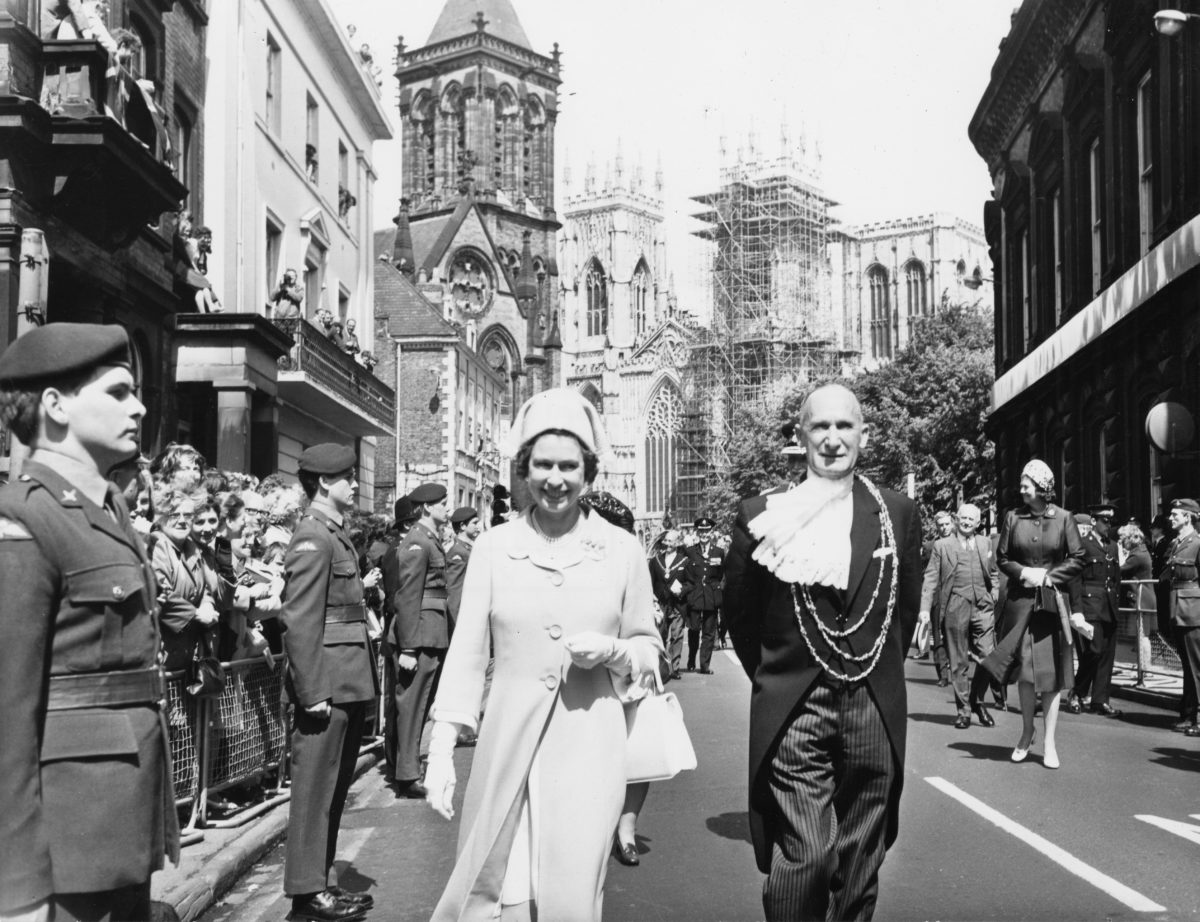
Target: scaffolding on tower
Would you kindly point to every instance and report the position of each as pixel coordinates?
(773, 323)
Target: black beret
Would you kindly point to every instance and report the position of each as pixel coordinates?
(328, 458)
(404, 510)
(428, 493)
(1187, 505)
(463, 514)
(61, 349)
(704, 523)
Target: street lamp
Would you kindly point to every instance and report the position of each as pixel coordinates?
(1171, 22)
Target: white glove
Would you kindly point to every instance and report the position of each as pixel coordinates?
(439, 770)
(1033, 577)
(923, 617)
(1081, 627)
(590, 649)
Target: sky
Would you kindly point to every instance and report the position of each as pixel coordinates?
(887, 88)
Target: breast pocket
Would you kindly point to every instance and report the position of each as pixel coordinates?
(101, 601)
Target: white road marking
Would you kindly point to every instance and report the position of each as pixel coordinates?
(1184, 830)
(1063, 858)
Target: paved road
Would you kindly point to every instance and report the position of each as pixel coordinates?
(1114, 834)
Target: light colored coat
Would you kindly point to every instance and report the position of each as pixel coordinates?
(540, 703)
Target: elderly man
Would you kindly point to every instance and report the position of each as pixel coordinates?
(960, 579)
(944, 522)
(822, 590)
(668, 570)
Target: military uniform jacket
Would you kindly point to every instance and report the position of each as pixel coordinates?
(705, 571)
(1094, 592)
(666, 569)
(324, 618)
(457, 559)
(85, 784)
(1181, 572)
(421, 597)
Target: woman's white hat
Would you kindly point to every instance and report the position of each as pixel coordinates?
(558, 408)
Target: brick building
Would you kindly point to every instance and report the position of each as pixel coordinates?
(1090, 127)
(93, 168)
(476, 235)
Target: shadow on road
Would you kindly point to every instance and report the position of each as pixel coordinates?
(946, 720)
(349, 878)
(984, 751)
(730, 826)
(1187, 760)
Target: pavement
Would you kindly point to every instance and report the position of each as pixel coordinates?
(697, 859)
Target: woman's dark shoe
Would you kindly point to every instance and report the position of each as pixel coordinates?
(626, 853)
(1074, 705)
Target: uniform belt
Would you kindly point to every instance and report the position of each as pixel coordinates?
(1185, 584)
(106, 689)
(435, 594)
(345, 614)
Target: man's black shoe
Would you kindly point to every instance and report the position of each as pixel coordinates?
(325, 907)
(413, 790)
(1073, 704)
(985, 719)
(353, 897)
(943, 681)
(1183, 726)
(962, 721)
(1193, 730)
(1105, 710)
(676, 674)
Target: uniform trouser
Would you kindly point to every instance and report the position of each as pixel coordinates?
(937, 643)
(1094, 670)
(324, 752)
(1189, 643)
(672, 634)
(830, 782)
(124, 904)
(970, 634)
(413, 697)
(703, 636)
(1191, 695)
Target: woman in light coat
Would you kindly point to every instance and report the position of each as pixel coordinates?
(564, 599)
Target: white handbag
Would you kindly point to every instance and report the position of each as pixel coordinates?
(657, 745)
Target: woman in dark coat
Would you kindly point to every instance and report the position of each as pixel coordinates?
(1137, 566)
(1039, 546)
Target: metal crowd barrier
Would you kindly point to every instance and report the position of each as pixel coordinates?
(1139, 643)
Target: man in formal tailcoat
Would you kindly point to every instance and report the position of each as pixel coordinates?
(330, 680)
(960, 579)
(668, 573)
(420, 631)
(705, 569)
(87, 810)
(822, 590)
(1094, 598)
(1181, 574)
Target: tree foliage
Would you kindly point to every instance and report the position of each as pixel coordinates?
(925, 411)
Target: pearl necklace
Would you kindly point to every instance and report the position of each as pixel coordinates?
(828, 634)
(537, 529)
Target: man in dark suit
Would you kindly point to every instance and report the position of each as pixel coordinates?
(822, 590)
(960, 579)
(668, 573)
(420, 631)
(330, 680)
(86, 806)
(705, 570)
(1094, 599)
(944, 522)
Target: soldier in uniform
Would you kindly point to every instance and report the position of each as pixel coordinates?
(467, 526)
(420, 631)
(86, 805)
(330, 680)
(406, 515)
(1181, 575)
(1094, 599)
(705, 571)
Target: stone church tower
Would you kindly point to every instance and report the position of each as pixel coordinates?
(478, 108)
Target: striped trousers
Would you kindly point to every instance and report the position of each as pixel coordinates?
(829, 783)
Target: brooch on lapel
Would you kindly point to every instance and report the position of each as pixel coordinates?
(593, 548)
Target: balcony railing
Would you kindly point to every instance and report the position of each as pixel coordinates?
(320, 359)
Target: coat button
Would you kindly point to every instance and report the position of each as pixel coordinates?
(556, 578)
(551, 682)
(555, 632)
(118, 592)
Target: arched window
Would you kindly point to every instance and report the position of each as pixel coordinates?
(881, 313)
(663, 419)
(592, 395)
(504, 157)
(641, 298)
(914, 285)
(596, 285)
